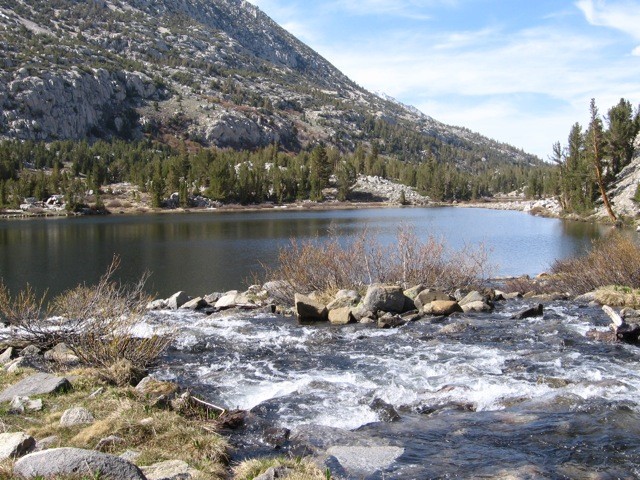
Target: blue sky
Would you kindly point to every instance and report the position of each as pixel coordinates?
(518, 71)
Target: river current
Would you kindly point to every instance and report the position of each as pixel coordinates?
(473, 396)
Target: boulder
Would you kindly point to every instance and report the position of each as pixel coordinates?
(108, 443)
(442, 307)
(14, 445)
(47, 442)
(6, 356)
(476, 307)
(194, 304)
(170, 470)
(391, 321)
(388, 298)
(176, 300)
(537, 311)
(365, 461)
(76, 416)
(30, 351)
(341, 316)
(57, 462)
(159, 304)
(37, 384)
(274, 473)
(309, 310)
(228, 300)
(151, 386)
(413, 292)
(22, 404)
(425, 297)
(472, 297)
(61, 354)
(344, 298)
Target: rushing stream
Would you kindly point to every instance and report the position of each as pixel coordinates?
(475, 396)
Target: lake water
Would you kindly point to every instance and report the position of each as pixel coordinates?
(205, 252)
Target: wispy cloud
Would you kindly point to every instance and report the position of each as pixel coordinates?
(623, 16)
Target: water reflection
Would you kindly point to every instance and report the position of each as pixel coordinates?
(201, 253)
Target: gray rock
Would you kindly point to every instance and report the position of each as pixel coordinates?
(109, 442)
(130, 455)
(512, 295)
(62, 354)
(344, 298)
(13, 365)
(537, 311)
(6, 356)
(413, 292)
(14, 445)
(388, 298)
(391, 321)
(195, 304)
(76, 416)
(22, 404)
(47, 442)
(176, 300)
(30, 351)
(425, 297)
(212, 298)
(228, 300)
(365, 460)
(170, 470)
(37, 384)
(274, 473)
(472, 297)
(75, 461)
(309, 310)
(341, 316)
(159, 304)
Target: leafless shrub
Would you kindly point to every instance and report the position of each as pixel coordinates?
(614, 260)
(96, 323)
(526, 284)
(328, 266)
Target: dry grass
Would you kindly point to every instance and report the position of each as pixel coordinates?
(157, 434)
(300, 469)
(614, 260)
(329, 266)
(96, 322)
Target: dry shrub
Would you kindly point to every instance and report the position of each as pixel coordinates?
(96, 323)
(328, 266)
(614, 260)
(526, 284)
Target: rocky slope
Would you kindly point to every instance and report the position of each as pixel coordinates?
(217, 72)
(624, 189)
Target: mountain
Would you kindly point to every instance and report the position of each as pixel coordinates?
(214, 72)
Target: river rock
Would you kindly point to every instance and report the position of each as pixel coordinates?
(75, 461)
(37, 384)
(159, 304)
(170, 470)
(386, 412)
(472, 297)
(388, 298)
(537, 311)
(13, 445)
(309, 310)
(228, 300)
(476, 307)
(175, 301)
(30, 351)
(341, 316)
(365, 461)
(390, 320)
(442, 307)
(425, 297)
(194, 304)
(344, 298)
(76, 416)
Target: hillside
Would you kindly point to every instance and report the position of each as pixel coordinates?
(218, 73)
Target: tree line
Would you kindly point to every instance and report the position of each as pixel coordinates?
(70, 168)
(594, 156)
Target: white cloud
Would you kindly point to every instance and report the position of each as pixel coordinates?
(623, 16)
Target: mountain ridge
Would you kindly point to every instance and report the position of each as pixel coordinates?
(218, 73)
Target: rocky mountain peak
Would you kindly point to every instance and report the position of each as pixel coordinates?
(213, 72)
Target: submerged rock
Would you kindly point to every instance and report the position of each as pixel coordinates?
(537, 311)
